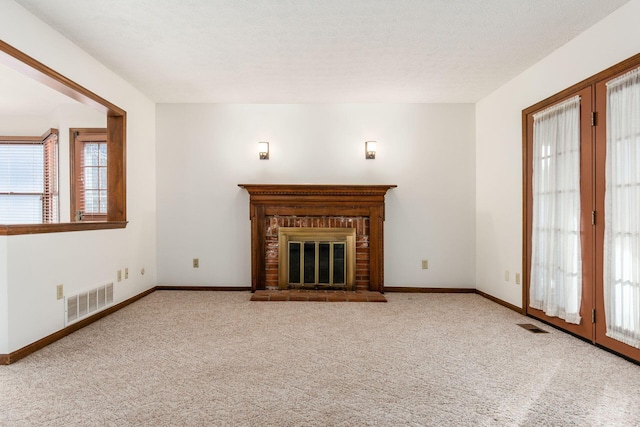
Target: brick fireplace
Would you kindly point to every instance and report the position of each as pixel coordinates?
(358, 207)
(275, 224)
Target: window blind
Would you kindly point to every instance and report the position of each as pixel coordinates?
(28, 179)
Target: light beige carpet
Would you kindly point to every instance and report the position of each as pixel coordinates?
(215, 358)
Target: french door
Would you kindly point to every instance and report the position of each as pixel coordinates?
(559, 233)
(582, 221)
(617, 170)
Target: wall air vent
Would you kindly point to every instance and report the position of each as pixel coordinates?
(88, 302)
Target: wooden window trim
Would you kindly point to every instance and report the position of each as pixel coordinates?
(20, 140)
(75, 170)
(14, 230)
(116, 143)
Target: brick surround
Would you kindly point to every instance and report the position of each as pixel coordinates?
(361, 224)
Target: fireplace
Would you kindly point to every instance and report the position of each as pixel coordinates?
(328, 229)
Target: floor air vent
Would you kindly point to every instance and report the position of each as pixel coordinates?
(86, 303)
(532, 328)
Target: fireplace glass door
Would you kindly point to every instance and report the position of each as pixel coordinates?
(317, 264)
(316, 258)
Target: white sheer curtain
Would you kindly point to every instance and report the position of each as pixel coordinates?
(556, 261)
(622, 210)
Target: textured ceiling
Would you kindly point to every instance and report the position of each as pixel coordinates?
(315, 51)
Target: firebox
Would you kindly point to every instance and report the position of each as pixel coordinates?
(316, 258)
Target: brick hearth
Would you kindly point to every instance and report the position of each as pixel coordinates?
(318, 296)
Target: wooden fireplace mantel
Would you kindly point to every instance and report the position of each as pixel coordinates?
(317, 200)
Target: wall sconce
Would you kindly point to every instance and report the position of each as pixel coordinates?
(263, 150)
(370, 150)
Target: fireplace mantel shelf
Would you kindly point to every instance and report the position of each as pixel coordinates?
(317, 200)
(316, 189)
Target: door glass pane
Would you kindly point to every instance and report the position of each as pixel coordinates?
(103, 178)
(103, 201)
(91, 154)
(92, 201)
(91, 178)
(102, 155)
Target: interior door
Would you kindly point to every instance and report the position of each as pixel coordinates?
(585, 327)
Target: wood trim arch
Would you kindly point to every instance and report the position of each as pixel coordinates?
(116, 137)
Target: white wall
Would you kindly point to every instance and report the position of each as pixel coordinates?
(24, 125)
(499, 141)
(205, 151)
(35, 264)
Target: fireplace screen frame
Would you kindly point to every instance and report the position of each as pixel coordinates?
(329, 235)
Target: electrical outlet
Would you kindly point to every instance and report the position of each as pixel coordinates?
(506, 275)
(59, 292)
(517, 278)
(126, 273)
(196, 263)
(425, 264)
(119, 275)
